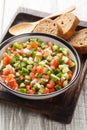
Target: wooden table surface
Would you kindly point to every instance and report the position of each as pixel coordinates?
(14, 118)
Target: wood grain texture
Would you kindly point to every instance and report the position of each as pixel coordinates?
(14, 118)
(1, 15)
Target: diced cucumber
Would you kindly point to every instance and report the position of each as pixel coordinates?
(37, 59)
(65, 51)
(49, 58)
(23, 64)
(66, 69)
(22, 85)
(61, 67)
(27, 77)
(43, 45)
(25, 60)
(35, 87)
(14, 59)
(65, 83)
(29, 67)
(65, 75)
(17, 65)
(17, 74)
(26, 81)
(18, 45)
(65, 59)
(41, 89)
(30, 61)
(49, 72)
(55, 47)
(54, 77)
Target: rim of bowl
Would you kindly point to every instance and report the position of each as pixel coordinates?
(7, 41)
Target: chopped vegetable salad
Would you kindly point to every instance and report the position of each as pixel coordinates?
(36, 67)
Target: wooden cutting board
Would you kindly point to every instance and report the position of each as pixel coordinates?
(60, 108)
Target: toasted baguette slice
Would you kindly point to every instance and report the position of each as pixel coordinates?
(79, 41)
(49, 26)
(68, 22)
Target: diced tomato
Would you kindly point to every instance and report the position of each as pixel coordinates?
(49, 86)
(69, 75)
(34, 69)
(39, 49)
(45, 76)
(12, 83)
(2, 78)
(39, 54)
(47, 51)
(40, 69)
(51, 90)
(6, 59)
(54, 63)
(46, 90)
(32, 75)
(59, 55)
(6, 71)
(21, 52)
(16, 53)
(33, 45)
(21, 77)
(28, 87)
(52, 82)
(60, 82)
(50, 44)
(12, 49)
(9, 77)
(70, 63)
(30, 91)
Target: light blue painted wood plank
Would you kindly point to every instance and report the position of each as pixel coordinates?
(1, 15)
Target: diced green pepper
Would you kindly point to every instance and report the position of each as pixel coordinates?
(59, 75)
(25, 71)
(57, 87)
(60, 61)
(35, 87)
(23, 90)
(38, 75)
(18, 80)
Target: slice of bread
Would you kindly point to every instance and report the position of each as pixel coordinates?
(79, 41)
(49, 26)
(68, 22)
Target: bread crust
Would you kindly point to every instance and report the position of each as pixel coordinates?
(68, 22)
(79, 41)
(49, 26)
